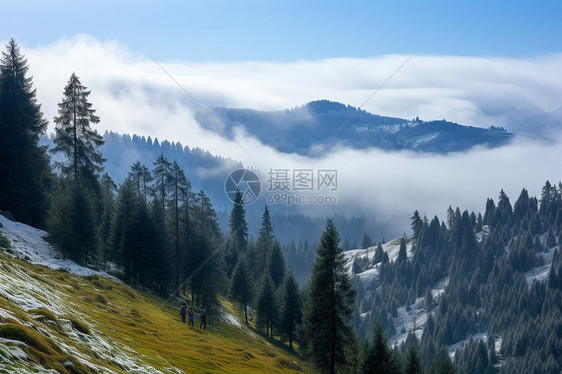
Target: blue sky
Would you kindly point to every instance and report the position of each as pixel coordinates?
(293, 30)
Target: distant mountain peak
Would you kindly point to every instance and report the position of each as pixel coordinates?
(330, 123)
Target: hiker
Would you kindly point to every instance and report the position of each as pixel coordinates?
(203, 320)
(190, 317)
(182, 311)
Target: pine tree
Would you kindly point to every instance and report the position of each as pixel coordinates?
(378, 357)
(178, 183)
(71, 221)
(417, 223)
(367, 241)
(73, 135)
(108, 189)
(379, 253)
(412, 364)
(442, 365)
(402, 254)
(266, 306)
(159, 266)
(238, 234)
(241, 286)
(24, 165)
(277, 264)
(264, 245)
(489, 212)
(83, 236)
(161, 173)
(291, 312)
(58, 223)
(205, 256)
(142, 178)
(127, 204)
(329, 308)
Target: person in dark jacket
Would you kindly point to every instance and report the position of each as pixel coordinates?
(183, 311)
(203, 320)
(190, 313)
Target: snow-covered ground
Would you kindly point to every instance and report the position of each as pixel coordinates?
(28, 243)
(540, 273)
(480, 336)
(482, 234)
(391, 248)
(27, 292)
(414, 319)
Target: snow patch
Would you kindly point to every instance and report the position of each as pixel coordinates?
(476, 337)
(540, 273)
(391, 248)
(28, 243)
(229, 318)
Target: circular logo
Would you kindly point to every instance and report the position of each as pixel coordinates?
(245, 181)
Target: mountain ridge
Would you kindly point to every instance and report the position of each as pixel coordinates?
(314, 128)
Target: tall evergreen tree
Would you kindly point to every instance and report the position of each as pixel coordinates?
(290, 308)
(142, 177)
(159, 265)
(127, 204)
(73, 135)
(366, 242)
(379, 253)
(378, 357)
(412, 363)
(328, 309)
(108, 190)
(161, 173)
(417, 223)
(83, 235)
(277, 264)
(266, 305)
(59, 222)
(238, 234)
(264, 245)
(24, 165)
(402, 254)
(205, 256)
(178, 183)
(241, 285)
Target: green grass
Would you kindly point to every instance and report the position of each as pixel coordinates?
(46, 316)
(42, 350)
(108, 309)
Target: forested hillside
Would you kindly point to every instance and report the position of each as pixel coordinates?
(485, 289)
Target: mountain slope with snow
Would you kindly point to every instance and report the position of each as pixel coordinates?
(56, 316)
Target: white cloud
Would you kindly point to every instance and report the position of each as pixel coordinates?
(134, 95)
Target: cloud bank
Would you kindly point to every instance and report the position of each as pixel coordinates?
(134, 94)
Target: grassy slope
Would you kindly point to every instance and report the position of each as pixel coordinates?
(129, 330)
